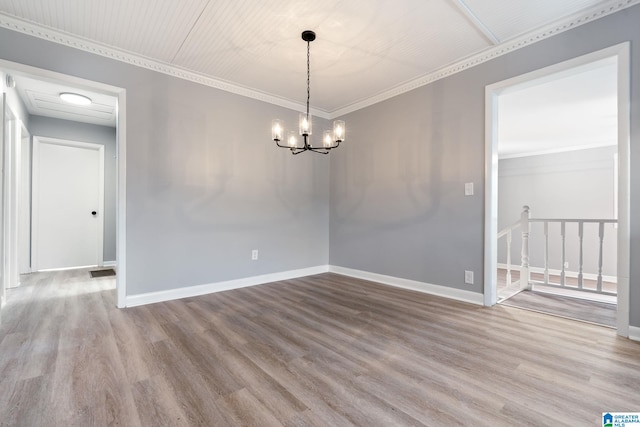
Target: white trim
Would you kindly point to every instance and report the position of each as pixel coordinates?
(624, 197)
(427, 288)
(109, 264)
(574, 21)
(101, 206)
(47, 33)
(121, 153)
(491, 198)
(24, 204)
(121, 196)
(56, 36)
(621, 53)
(7, 118)
(37, 141)
(634, 333)
(79, 267)
(558, 150)
(193, 291)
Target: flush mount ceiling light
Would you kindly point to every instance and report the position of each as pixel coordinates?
(330, 140)
(75, 98)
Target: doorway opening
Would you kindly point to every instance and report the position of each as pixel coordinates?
(34, 92)
(572, 232)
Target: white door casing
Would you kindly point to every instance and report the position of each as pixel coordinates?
(121, 154)
(3, 285)
(621, 53)
(68, 186)
(24, 204)
(9, 234)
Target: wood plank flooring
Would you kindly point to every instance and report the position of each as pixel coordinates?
(600, 313)
(324, 350)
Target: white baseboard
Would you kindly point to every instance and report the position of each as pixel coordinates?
(443, 291)
(108, 263)
(572, 274)
(634, 333)
(192, 291)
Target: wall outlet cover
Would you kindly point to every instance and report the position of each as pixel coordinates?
(468, 277)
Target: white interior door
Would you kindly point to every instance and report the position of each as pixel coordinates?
(68, 186)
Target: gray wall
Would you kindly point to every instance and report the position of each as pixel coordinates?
(397, 187)
(205, 183)
(103, 135)
(576, 184)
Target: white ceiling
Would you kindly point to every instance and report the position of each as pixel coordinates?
(574, 110)
(42, 99)
(366, 49)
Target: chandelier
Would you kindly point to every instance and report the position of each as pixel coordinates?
(330, 139)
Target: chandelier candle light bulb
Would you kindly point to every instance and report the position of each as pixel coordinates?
(327, 139)
(276, 130)
(305, 125)
(330, 140)
(292, 140)
(338, 130)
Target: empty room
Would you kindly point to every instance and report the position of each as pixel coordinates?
(285, 213)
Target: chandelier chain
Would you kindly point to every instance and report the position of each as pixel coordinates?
(308, 77)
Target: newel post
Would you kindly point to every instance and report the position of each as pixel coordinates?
(524, 267)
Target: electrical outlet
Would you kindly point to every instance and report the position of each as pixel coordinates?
(254, 255)
(468, 277)
(566, 264)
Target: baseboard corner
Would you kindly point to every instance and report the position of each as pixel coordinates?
(634, 333)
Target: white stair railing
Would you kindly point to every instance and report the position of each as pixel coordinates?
(563, 234)
(507, 233)
(525, 274)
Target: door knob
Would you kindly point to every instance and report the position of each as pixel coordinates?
(93, 213)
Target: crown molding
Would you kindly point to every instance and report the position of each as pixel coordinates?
(60, 37)
(63, 38)
(493, 52)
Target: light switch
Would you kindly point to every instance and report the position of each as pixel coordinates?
(468, 188)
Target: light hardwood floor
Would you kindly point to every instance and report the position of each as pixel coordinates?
(319, 351)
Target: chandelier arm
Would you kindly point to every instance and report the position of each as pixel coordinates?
(319, 150)
(278, 144)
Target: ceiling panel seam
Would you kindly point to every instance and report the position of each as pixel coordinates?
(173, 58)
(476, 22)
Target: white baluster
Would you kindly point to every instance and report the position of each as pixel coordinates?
(562, 233)
(524, 267)
(581, 237)
(601, 237)
(546, 252)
